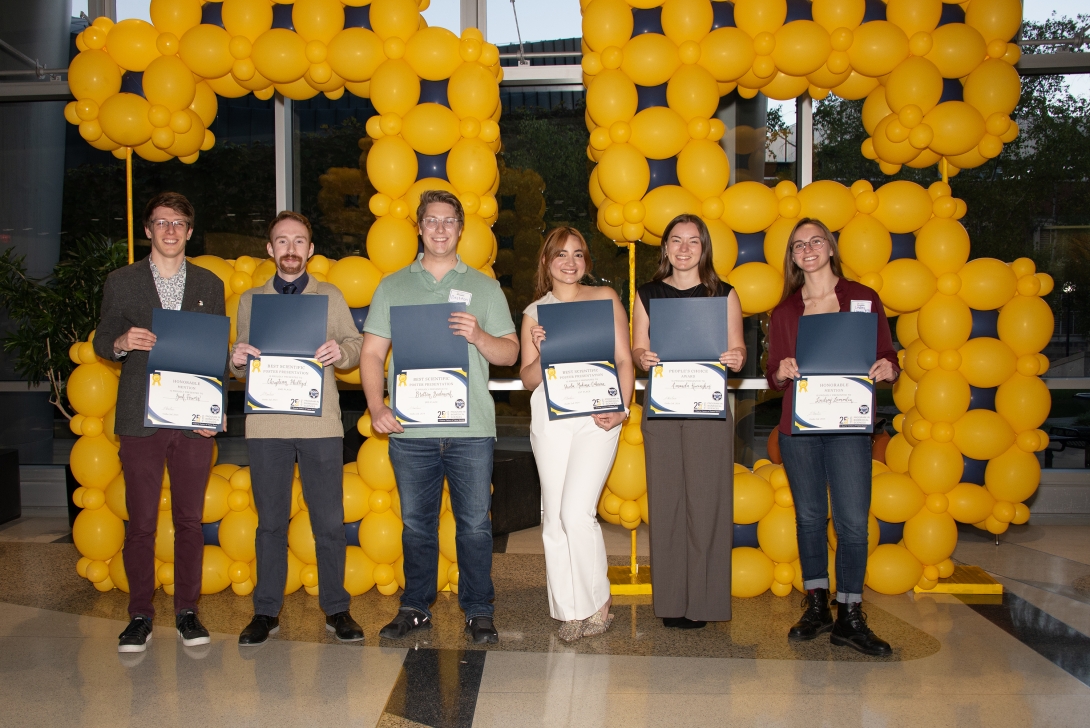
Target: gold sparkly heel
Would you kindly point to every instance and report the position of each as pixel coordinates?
(595, 624)
(571, 631)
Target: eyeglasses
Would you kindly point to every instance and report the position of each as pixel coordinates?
(814, 244)
(433, 223)
(163, 225)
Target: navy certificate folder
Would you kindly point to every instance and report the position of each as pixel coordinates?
(422, 338)
(189, 343)
(579, 331)
(688, 329)
(837, 343)
(282, 325)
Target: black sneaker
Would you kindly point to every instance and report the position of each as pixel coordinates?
(346, 628)
(480, 631)
(190, 629)
(136, 636)
(406, 621)
(258, 630)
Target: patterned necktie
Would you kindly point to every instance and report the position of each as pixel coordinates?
(290, 288)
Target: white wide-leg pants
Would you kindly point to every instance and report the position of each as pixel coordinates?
(574, 456)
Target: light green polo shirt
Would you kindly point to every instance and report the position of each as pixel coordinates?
(413, 286)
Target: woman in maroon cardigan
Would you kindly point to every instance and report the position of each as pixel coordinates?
(817, 465)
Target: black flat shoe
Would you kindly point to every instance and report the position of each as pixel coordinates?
(407, 620)
(683, 623)
(258, 630)
(480, 630)
(816, 618)
(851, 630)
(346, 628)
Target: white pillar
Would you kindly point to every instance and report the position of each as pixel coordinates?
(99, 8)
(283, 119)
(804, 140)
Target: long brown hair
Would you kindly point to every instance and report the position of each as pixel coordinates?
(708, 277)
(550, 249)
(793, 277)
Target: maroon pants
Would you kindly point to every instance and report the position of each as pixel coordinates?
(189, 460)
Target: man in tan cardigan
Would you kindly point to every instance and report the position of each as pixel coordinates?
(277, 441)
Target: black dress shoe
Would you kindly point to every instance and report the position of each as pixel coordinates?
(851, 630)
(342, 625)
(683, 623)
(406, 621)
(480, 631)
(259, 629)
(816, 618)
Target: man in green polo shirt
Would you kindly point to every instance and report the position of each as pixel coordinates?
(422, 457)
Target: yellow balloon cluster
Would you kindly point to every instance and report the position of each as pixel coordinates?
(624, 499)
(939, 83)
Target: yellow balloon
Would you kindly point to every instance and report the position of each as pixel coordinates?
(1013, 476)
(395, 88)
(391, 243)
(471, 166)
(117, 573)
(802, 47)
(94, 75)
(724, 249)
(355, 54)
(248, 18)
(98, 534)
(391, 166)
(904, 392)
(206, 51)
(759, 287)
(475, 245)
(915, 81)
(124, 119)
(942, 245)
(907, 284)
(898, 451)
(216, 570)
(175, 16)
(693, 92)
(775, 242)
(753, 498)
(931, 537)
(997, 20)
(374, 466)
(749, 207)
(892, 569)
(986, 362)
(935, 466)
(956, 49)
(317, 19)
(657, 133)
(280, 55)
(665, 203)
(834, 14)
(624, 174)
(357, 278)
(237, 534)
(473, 91)
(1026, 324)
(914, 16)
(606, 23)
(131, 43)
(94, 462)
(865, 244)
(945, 322)
(751, 572)
(982, 434)
(628, 479)
(958, 128)
(776, 534)
(993, 88)
(92, 389)
(783, 87)
(903, 206)
(355, 498)
(650, 59)
(686, 20)
(430, 128)
(727, 53)
(191, 141)
(418, 188)
(395, 18)
(970, 503)
(1024, 402)
(878, 47)
(987, 283)
(895, 497)
(760, 16)
(115, 497)
(828, 201)
(301, 538)
(380, 537)
(875, 109)
(358, 571)
(433, 53)
(215, 499)
(942, 396)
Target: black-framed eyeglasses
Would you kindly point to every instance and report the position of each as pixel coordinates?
(163, 225)
(433, 223)
(813, 244)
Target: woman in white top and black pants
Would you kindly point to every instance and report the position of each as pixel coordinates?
(574, 455)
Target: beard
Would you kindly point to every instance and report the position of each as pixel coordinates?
(290, 264)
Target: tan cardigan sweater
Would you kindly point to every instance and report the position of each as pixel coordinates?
(339, 327)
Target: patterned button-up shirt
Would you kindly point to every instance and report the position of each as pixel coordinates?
(170, 289)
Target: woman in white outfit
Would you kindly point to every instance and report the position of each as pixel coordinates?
(574, 455)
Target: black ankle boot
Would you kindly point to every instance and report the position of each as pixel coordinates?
(816, 619)
(851, 630)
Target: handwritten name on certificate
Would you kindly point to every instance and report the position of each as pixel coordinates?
(184, 401)
(584, 388)
(688, 389)
(833, 404)
(432, 397)
(286, 385)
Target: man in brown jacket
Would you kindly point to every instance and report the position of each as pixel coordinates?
(276, 441)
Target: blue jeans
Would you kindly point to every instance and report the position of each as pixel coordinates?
(839, 465)
(419, 465)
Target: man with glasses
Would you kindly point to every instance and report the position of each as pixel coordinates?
(423, 456)
(162, 280)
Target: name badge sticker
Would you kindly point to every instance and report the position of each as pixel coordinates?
(465, 297)
(857, 306)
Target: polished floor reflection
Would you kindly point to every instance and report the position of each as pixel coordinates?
(1021, 660)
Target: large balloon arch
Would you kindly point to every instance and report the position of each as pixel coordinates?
(938, 79)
